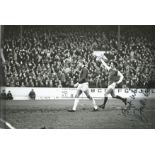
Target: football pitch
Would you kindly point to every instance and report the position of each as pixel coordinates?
(53, 114)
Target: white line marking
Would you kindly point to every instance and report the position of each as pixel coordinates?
(7, 124)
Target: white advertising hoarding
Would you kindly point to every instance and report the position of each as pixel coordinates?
(21, 93)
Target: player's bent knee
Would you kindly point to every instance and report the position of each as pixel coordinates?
(105, 95)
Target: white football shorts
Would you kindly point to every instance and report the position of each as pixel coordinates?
(112, 86)
(83, 86)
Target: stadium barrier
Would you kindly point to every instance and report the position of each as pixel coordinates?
(21, 93)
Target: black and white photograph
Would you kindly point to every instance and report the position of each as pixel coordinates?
(77, 76)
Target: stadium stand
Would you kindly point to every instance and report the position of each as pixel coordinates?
(47, 55)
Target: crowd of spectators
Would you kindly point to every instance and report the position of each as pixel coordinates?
(48, 56)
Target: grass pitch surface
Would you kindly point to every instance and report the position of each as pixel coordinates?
(53, 114)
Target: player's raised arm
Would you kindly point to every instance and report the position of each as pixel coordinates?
(121, 77)
(105, 65)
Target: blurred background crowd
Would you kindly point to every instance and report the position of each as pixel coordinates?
(47, 56)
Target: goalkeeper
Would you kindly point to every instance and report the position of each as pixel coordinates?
(82, 86)
(115, 77)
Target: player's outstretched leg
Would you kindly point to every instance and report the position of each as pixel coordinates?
(76, 101)
(92, 99)
(121, 98)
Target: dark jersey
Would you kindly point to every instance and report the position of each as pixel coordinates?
(83, 75)
(113, 76)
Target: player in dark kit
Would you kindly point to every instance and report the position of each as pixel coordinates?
(114, 74)
(82, 86)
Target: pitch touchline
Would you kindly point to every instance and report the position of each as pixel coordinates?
(7, 124)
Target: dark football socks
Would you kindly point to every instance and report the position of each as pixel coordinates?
(118, 97)
(105, 100)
